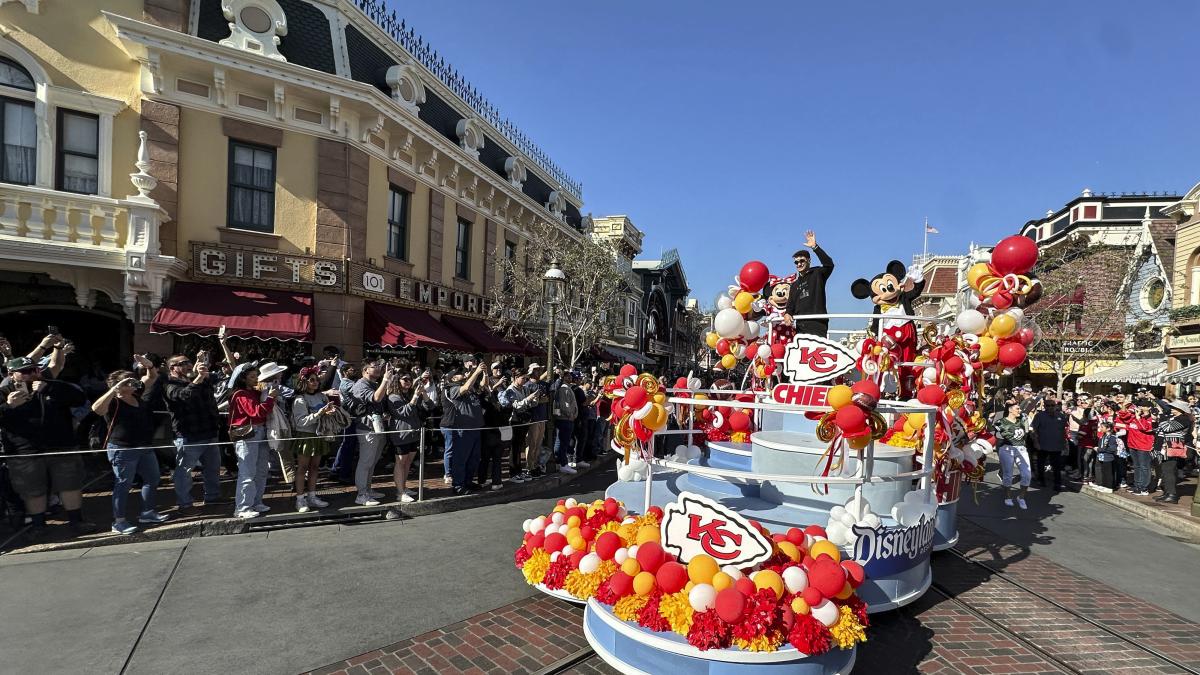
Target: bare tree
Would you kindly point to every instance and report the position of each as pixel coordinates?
(1082, 311)
(594, 284)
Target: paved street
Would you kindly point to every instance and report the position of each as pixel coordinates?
(295, 600)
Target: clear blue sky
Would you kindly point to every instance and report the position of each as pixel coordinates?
(726, 129)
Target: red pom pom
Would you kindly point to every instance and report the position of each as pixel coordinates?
(811, 595)
(739, 421)
(655, 511)
(607, 544)
(795, 536)
(778, 349)
(815, 530)
(827, 576)
(931, 394)
(854, 573)
(708, 631)
(671, 577)
(576, 557)
(535, 542)
(621, 584)
(731, 603)
(650, 556)
(810, 636)
(555, 542)
(628, 370)
(611, 507)
(745, 586)
(850, 418)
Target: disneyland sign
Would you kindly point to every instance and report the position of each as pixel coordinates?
(884, 551)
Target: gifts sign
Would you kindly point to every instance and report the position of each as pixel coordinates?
(696, 525)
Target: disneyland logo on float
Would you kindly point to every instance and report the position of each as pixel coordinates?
(696, 525)
(882, 550)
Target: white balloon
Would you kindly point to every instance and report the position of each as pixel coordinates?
(728, 323)
(525, 525)
(633, 551)
(555, 556)
(621, 556)
(724, 302)
(929, 375)
(795, 579)
(537, 525)
(557, 518)
(752, 328)
(571, 503)
(971, 321)
(589, 563)
(567, 550)
(702, 597)
(1017, 313)
(764, 352)
(733, 572)
(826, 612)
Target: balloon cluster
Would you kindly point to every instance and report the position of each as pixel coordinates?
(638, 408)
(804, 595)
(725, 423)
(737, 335)
(853, 417)
(1003, 288)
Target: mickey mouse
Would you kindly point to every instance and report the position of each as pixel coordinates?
(892, 292)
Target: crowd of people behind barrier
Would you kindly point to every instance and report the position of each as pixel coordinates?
(1113, 442)
(293, 417)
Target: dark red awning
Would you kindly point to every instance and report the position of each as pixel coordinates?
(201, 309)
(392, 326)
(479, 334)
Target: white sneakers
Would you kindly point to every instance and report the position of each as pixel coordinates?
(566, 468)
(366, 500)
(314, 500)
(579, 465)
(1008, 501)
(407, 498)
(302, 504)
(448, 479)
(247, 514)
(1021, 502)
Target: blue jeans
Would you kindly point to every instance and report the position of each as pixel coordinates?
(187, 456)
(346, 459)
(252, 455)
(126, 464)
(1141, 470)
(462, 455)
(563, 441)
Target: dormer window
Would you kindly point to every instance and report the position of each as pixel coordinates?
(255, 26)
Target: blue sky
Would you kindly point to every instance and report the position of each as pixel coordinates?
(727, 129)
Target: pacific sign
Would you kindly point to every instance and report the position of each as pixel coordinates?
(810, 359)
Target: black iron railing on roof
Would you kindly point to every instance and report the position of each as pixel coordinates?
(414, 44)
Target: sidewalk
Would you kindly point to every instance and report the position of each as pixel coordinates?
(1177, 518)
(213, 520)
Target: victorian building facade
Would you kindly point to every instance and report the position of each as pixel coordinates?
(304, 170)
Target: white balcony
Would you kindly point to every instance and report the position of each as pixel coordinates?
(35, 221)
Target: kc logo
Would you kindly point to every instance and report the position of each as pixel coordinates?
(694, 524)
(810, 359)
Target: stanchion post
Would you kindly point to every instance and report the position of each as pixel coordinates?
(649, 484)
(421, 464)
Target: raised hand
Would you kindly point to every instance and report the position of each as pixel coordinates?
(810, 239)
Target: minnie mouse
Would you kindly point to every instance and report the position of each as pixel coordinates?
(778, 290)
(892, 291)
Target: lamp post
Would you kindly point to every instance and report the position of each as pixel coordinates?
(554, 283)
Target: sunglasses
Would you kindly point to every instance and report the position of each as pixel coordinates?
(181, 363)
(26, 371)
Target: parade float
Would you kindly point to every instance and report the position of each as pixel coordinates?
(804, 489)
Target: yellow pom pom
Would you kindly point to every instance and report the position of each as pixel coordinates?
(643, 583)
(769, 579)
(647, 533)
(789, 549)
(631, 567)
(799, 606)
(721, 581)
(825, 547)
(702, 568)
(839, 396)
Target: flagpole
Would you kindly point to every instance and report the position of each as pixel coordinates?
(925, 246)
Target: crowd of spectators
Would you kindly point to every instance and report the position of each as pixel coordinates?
(1115, 441)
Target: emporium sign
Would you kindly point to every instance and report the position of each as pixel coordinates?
(374, 282)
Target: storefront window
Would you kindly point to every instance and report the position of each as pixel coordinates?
(251, 187)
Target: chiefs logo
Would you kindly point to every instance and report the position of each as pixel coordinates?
(695, 524)
(810, 359)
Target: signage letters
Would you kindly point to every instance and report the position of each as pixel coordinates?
(884, 551)
(695, 525)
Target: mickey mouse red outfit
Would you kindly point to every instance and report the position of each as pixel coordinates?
(892, 302)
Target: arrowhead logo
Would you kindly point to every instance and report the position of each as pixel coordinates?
(810, 359)
(693, 525)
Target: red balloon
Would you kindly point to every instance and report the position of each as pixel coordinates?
(1012, 355)
(535, 542)
(1025, 336)
(795, 536)
(812, 596)
(621, 584)
(745, 586)
(731, 604)
(671, 577)
(655, 511)
(555, 542)
(576, 557)
(778, 349)
(618, 410)
(739, 421)
(635, 397)
(1014, 255)
(827, 576)
(867, 388)
(607, 545)
(931, 394)
(753, 276)
(650, 556)
(722, 346)
(628, 370)
(681, 383)
(611, 507)
(854, 573)
(815, 530)
(954, 365)
(769, 370)
(850, 418)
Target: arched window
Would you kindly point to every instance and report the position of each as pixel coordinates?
(18, 164)
(1193, 278)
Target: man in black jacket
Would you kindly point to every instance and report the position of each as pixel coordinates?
(807, 295)
(1050, 440)
(36, 418)
(192, 402)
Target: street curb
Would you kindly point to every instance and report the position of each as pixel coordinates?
(1177, 525)
(212, 527)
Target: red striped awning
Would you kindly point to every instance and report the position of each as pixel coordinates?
(479, 334)
(201, 309)
(392, 326)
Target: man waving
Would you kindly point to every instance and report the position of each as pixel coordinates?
(807, 294)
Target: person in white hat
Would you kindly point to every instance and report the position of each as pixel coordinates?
(1173, 431)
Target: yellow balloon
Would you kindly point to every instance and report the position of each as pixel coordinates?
(647, 533)
(700, 397)
(799, 606)
(769, 579)
(643, 583)
(711, 339)
(977, 272)
(721, 581)
(859, 442)
(701, 569)
(917, 421)
(728, 361)
(825, 547)
(631, 567)
(846, 592)
(743, 301)
(839, 396)
(988, 349)
(1002, 325)
(789, 549)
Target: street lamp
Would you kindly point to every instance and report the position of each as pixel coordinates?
(554, 283)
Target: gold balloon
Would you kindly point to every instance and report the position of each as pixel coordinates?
(728, 361)
(1002, 325)
(976, 273)
(988, 349)
(743, 301)
(711, 339)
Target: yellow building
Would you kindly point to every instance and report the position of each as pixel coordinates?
(1183, 342)
(305, 170)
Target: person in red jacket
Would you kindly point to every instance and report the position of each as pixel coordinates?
(1139, 438)
(249, 406)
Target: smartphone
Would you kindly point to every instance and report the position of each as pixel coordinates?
(51, 330)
